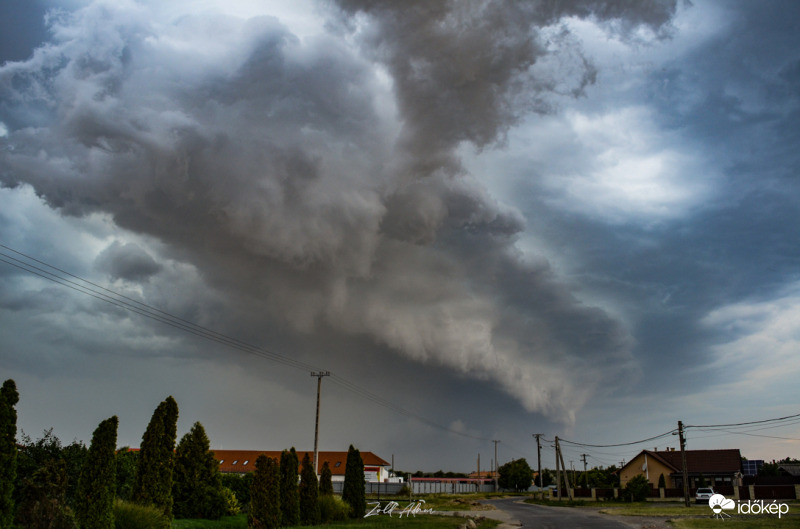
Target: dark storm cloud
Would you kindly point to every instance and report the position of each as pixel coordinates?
(127, 261)
(301, 183)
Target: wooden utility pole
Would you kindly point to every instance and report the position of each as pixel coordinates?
(539, 457)
(566, 474)
(585, 474)
(683, 462)
(496, 466)
(319, 376)
(558, 473)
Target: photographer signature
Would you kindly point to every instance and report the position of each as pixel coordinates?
(413, 509)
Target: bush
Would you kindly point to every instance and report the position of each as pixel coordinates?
(638, 488)
(332, 509)
(232, 507)
(134, 516)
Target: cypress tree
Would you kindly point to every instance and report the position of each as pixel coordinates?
(290, 498)
(94, 505)
(153, 484)
(265, 498)
(309, 491)
(8, 451)
(353, 491)
(198, 487)
(326, 481)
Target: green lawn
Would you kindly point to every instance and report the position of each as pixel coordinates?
(421, 521)
(740, 522)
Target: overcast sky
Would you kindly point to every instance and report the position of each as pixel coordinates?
(574, 218)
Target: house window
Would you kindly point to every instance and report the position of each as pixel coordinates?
(338, 464)
(246, 461)
(221, 461)
(235, 462)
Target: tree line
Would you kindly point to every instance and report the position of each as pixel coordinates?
(44, 485)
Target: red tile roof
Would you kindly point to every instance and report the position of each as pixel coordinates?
(726, 461)
(242, 461)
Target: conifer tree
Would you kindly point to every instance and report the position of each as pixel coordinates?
(309, 492)
(153, 485)
(198, 487)
(8, 451)
(325, 481)
(265, 498)
(290, 498)
(353, 491)
(94, 504)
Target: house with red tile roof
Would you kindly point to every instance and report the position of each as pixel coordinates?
(716, 467)
(243, 461)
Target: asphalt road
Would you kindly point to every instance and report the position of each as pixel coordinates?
(554, 517)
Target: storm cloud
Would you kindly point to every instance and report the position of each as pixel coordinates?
(553, 205)
(317, 178)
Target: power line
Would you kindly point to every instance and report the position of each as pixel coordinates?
(744, 423)
(666, 434)
(86, 287)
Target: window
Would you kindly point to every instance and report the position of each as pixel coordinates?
(246, 461)
(221, 461)
(235, 462)
(338, 464)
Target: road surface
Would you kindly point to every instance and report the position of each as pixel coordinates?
(539, 516)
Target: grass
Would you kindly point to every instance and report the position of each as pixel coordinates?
(449, 502)
(672, 511)
(743, 522)
(373, 522)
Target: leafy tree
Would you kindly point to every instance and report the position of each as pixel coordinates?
(33, 456)
(353, 491)
(309, 491)
(325, 481)
(239, 485)
(547, 477)
(197, 488)
(265, 498)
(603, 478)
(290, 497)
(94, 507)
(662, 483)
(8, 451)
(153, 485)
(638, 488)
(126, 473)
(515, 475)
(42, 499)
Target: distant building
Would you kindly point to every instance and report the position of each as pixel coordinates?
(244, 461)
(716, 467)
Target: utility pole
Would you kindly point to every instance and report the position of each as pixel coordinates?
(585, 474)
(683, 462)
(558, 472)
(560, 456)
(496, 466)
(539, 458)
(478, 475)
(319, 376)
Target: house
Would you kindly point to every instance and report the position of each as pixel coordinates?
(716, 467)
(244, 461)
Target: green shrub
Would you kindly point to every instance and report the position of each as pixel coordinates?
(332, 509)
(134, 516)
(637, 489)
(232, 507)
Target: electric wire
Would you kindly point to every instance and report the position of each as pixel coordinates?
(124, 302)
(744, 423)
(574, 443)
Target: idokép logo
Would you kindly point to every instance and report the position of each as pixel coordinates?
(720, 503)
